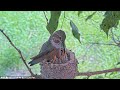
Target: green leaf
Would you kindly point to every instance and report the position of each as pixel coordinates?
(79, 12)
(75, 31)
(53, 22)
(118, 63)
(112, 14)
(107, 13)
(111, 20)
(90, 16)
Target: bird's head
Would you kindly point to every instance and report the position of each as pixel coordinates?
(58, 38)
(61, 34)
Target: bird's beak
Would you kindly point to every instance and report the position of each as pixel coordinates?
(62, 46)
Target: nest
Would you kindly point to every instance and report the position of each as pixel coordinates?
(64, 70)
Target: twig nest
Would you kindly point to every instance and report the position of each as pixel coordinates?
(66, 70)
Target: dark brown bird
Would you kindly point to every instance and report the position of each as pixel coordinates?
(52, 49)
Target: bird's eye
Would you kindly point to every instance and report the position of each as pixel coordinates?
(56, 41)
(60, 38)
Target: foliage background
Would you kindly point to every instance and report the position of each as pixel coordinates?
(27, 30)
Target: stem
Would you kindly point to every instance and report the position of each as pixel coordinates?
(98, 72)
(18, 50)
(45, 17)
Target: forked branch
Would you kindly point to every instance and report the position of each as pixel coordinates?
(18, 50)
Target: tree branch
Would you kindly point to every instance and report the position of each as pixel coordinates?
(104, 44)
(117, 42)
(45, 17)
(18, 50)
(98, 72)
(63, 20)
(113, 36)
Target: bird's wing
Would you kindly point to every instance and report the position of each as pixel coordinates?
(40, 57)
(45, 50)
(44, 47)
(42, 54)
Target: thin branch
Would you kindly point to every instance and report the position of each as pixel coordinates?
(117, 42)
(45, 17)
(39, 77)
(85, 52)
(104, 44)
(18, 50)
(63, 20)
(113, 36)
(98, 72)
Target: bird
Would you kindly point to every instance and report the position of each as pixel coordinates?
(51, 49)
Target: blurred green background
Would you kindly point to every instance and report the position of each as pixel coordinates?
(27, 30)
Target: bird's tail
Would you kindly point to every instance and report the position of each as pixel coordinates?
(39, 58)
(33, 62)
